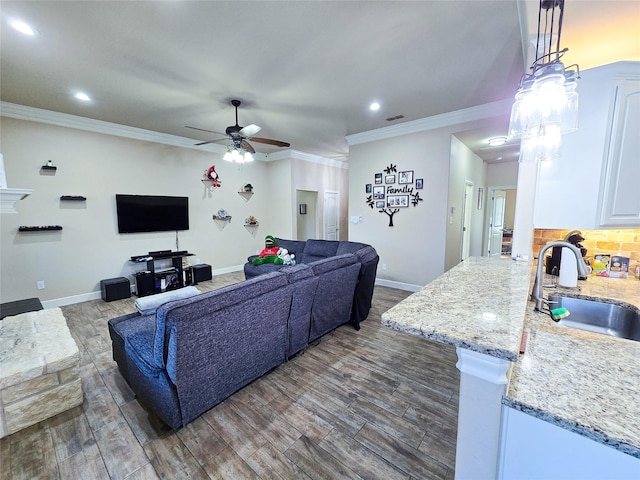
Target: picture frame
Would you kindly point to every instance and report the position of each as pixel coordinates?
(389, 179)
(380, 204)
(303, 209)
(378, 178)
(368, 188)
(378, 193)
(419, 183)
(405, 177)
(397, 201)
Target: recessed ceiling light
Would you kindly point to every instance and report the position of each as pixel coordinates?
(375, 106)
(82, 96)
(497, 141)
(22, 27)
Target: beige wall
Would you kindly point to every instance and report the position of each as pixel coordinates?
(72, 262)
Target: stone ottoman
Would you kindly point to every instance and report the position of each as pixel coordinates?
(39, 369)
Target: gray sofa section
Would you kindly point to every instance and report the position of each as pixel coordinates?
(195, 352)
(310, 251)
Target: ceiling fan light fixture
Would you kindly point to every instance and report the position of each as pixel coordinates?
(248, 157)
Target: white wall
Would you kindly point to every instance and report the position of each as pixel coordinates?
(72, 262)
(465, 166)
(321, 177)
(413, 249)
(502, 174)
(307, 224)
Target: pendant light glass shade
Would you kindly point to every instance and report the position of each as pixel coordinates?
(546, 103)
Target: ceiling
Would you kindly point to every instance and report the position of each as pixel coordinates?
(305, 71)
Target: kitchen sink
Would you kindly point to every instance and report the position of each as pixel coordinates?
(597, 316)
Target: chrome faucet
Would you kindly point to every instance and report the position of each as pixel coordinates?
(536, 293)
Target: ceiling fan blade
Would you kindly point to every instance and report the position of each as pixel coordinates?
(208, 142)
(250, 130)
(203, 130)
(247, 146)
(269, 141)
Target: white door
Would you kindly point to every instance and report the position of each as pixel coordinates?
(496, 224)
(466, 221)
(331, 208)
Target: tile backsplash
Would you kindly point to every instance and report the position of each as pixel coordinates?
(614, 242)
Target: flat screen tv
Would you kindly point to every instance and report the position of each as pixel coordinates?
(151, 213)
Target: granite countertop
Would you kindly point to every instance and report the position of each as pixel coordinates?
(582, 381)
(478, 305)
(585, 382)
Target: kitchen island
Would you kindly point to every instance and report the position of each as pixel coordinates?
(582, 382)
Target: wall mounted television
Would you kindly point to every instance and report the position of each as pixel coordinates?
(151, 213)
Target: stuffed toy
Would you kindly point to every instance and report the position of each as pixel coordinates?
(269, 253)
(287, 258)
(211, 174)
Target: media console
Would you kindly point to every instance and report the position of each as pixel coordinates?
(155, 281)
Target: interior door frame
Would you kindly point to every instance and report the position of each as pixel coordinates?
(488, 212)
(467, 206)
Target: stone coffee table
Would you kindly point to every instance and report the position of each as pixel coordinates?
(39, 369)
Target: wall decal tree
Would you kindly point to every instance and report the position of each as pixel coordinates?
(391, 198)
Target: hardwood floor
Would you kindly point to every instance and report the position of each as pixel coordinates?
(371, 404)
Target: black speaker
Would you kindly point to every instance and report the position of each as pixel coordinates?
(145, 284)
(201, 273)
(115, 289)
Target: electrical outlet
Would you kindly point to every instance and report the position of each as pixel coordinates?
(40, 284)
(384, 266)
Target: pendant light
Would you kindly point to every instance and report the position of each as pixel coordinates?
(546, 103)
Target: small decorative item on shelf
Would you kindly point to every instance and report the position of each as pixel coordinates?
(24, 228)
(251, 221)
(211, 178)
(248, 188)
(222, 215)
(49, 166)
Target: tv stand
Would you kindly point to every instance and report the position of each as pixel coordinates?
(146, 281)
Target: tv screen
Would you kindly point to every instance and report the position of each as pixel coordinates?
(151, 213)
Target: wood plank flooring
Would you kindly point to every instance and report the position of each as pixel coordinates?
(370, 404)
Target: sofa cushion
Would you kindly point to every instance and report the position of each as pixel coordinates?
(202, 306)
(304, 284)
(366, 254)
(349, 247)
(294, 246)
(318, 249)
(148, 305)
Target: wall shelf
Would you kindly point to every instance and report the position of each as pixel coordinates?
(246, 195)
(223, 219)
(40, 228)
(51, 168)
(77, 198)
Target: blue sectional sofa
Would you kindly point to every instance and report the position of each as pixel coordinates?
(193, 353)
(310, 251)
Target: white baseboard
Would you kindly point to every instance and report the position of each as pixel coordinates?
(399, 285)
(85, 297)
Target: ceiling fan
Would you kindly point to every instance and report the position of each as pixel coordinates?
(239, 135)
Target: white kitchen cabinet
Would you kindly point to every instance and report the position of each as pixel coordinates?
(592, 184)
(534, 449)
(619, 204)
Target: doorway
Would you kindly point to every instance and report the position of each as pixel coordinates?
(306, 216)
(500, 218)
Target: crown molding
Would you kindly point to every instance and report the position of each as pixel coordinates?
(456, 117)
(32, 114)
(306, 157)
